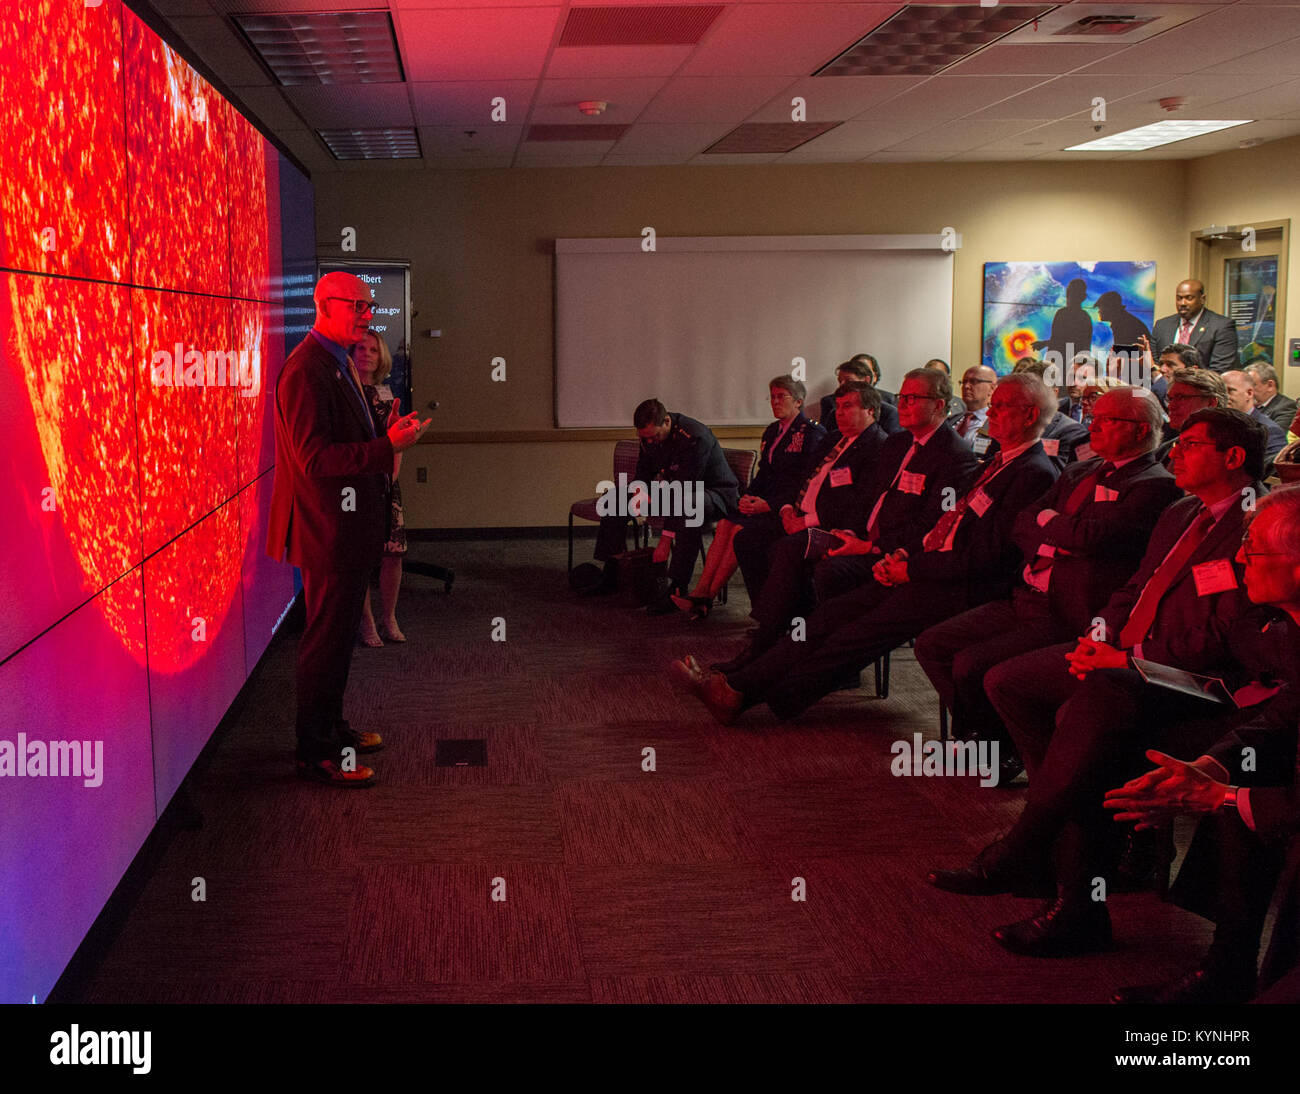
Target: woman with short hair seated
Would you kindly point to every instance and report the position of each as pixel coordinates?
(787, 447)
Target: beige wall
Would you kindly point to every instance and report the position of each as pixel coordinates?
(479, 247)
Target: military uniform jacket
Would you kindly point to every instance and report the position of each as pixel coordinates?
(690, 453)
(784, 466)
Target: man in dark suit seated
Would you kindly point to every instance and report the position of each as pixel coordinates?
(1245, 788)
(1074, 712)
(857, 370)
(1214, 336)
(955, 404)
(1190, 390)
(675, 450)
(965, 559)
(1241, 396)
(1063, 433)
(329, 517)
(841, 468)
(977, 384)
(1082, 540)
(1267, 397)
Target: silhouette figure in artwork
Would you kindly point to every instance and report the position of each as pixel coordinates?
(1071, 325)
(1125, 327)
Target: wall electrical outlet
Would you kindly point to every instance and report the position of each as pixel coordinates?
(421, 474)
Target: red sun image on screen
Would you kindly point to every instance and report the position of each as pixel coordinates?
(62, 175)
(176, 150)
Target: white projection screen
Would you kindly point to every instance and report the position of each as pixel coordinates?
(703, 323)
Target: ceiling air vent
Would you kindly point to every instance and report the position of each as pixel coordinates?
(1109, 25)
(659, 25)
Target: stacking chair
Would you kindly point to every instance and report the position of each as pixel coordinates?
(625, 457)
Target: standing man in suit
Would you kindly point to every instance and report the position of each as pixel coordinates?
(1214, 336)
(1081, 540)
(1244, 827)
(329, 516)
(841, 471)
(965, 559)
(1267, 397)
(1075, 712)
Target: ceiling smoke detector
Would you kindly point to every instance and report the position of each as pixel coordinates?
(593, 107)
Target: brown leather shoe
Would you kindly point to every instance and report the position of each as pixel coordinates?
(723, 701)
(329, 773)
(364, 742)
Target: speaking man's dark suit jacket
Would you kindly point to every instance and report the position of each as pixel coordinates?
(324, 447)
(1214, 337)
(1190, 631)
(1097, 547)
(887, 419)
(784, 467)
(755, 542)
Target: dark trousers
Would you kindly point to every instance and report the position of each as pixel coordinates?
(959, 652)
(688, 543)
(752, 544)
(334, 603)
(1080, 738)
(843, 635)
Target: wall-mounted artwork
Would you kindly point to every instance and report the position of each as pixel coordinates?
(1067, 308)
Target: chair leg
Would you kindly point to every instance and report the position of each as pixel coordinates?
(570, 542)
(882, 677)
(943, 722)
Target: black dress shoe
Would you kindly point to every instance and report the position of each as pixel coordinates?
(1205, 984)
(1064, 927)
(1144, 863)
(990, 873)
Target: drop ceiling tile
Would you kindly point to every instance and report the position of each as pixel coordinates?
(1205, 42)
(223, 51)
(183, 7)
(262, 7)
(961, 136)
(785, 39)
(469, 102)
(307, 147)
(904, 157)
(1282, 59)
(270, 107)
(451, 140)
(641, 160)
(677, 141)
(835, 99)
(1046, 59)
(348, 106)
(1064, 96)
(728, 160)
(467, 163)
(1278, 101)
(557, 101)
(475, 43)
(807, 153)
(1200, 90)
(713, 98)
(562, 153)
(574, 61)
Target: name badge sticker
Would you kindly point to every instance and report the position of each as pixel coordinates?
(841, 476)
(911, 482)
(1083, 452)
(1214, 577)
(980, 444)
(1105, 493)
(1052, 446)
(979, 504)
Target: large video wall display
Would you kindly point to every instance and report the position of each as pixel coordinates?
(155, 256)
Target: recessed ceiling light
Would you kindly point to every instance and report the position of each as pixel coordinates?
(1153, 136)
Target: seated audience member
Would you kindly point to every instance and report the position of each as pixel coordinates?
(967, 558)
(1267, 396)
(1241, 396)
(788, 446)
(1075, 712)
(901, 494)
(1172, 358)
(1190, 390)
(674, 448)
(955, 405)
(840, 469)
(855, 371)
(977, 384)
(1237, 855)
(887, 397)
(1081, 373)
(1082, 540)
(1063, 434)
